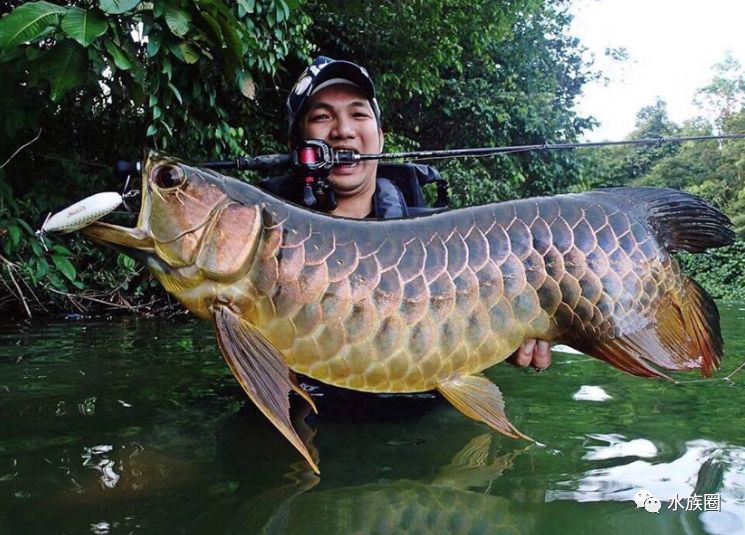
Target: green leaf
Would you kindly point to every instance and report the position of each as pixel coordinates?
(170, 132)
(156, 113)
(117, 7)
(153, 100)
(214, 27)
(25, 226)
(189, 53)
(61, 250)
(176, 51)
(151, 130)
(28, 22)
(65, 266)
(154, 41)
(248, 5)
(120, 59)
(42, 268)
(36, 248)
(233, 48)
(282, 10)
(64, 66)
(175, 92)
(126, 262)
(84, 26)
(167, 68)
(246, 84)
(178, 21)
(14, 234)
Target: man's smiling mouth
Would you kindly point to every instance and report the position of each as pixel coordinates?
(347, 149)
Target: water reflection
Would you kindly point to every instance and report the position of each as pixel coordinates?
(455, 500)
(138, 426)
(703, 468)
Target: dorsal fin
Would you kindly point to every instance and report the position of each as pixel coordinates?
(681, 221)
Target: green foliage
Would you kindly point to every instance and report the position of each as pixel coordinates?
(102, 82)
(29, 22)
(710, 169)
(84, 26)
(625, 164)
(721, 271)
(26, 256)
(117, 7)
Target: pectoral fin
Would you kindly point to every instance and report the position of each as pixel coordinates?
(480, 399)
(262, 372)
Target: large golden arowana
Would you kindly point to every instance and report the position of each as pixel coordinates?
(420, 304)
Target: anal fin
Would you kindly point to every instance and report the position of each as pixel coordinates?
(480, 399)
(261, 372)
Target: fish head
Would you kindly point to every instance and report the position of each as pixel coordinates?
(188, 225)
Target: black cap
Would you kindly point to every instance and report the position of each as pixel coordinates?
(324, 72)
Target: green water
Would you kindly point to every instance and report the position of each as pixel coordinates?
(137, 426)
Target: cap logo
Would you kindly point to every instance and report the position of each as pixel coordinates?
(303, 85)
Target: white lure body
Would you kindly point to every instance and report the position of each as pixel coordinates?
(83, 213)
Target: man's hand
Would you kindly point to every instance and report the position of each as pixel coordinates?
(536, 353)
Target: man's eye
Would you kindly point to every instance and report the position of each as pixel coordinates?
(319, 117)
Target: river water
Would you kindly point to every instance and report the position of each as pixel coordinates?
(137, 426)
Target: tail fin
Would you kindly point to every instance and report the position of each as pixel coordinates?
(685, 333)
(701, 318)
(684, 336)
(681, 221)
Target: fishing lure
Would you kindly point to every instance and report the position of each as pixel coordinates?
(82, 213)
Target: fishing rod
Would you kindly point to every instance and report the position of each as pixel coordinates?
(314, 160)
(346, 157)
(326, 157)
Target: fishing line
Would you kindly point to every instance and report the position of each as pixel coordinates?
(351, 157)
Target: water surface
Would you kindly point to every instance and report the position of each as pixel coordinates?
(137, 426)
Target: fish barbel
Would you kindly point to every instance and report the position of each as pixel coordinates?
(427, 303)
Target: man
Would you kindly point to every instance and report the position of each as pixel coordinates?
(335, 101)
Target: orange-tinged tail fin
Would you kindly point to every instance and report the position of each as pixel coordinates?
(684, 335)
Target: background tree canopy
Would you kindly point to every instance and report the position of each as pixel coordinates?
(90, 82)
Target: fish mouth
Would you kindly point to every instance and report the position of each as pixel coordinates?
(130, 239)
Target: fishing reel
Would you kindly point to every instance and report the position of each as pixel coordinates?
(311, 161)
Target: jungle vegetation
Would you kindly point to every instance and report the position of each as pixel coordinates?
(89, 82)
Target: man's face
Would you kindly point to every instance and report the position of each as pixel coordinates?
(342, 116)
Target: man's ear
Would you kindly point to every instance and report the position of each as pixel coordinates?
(381, 136)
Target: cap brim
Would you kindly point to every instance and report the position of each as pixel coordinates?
(347, 71)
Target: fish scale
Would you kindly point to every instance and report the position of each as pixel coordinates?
(430, 302)
(515, 296)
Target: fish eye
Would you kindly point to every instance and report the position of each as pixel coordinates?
(167, 176)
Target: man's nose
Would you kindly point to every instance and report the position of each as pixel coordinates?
(343, 128)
